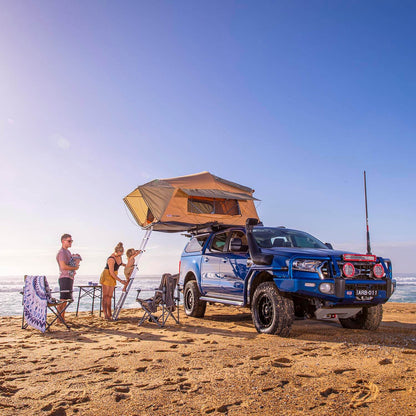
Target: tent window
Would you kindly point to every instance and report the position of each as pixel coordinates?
(213, 206)
(149, 218)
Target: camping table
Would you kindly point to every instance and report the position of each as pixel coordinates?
(93, 292)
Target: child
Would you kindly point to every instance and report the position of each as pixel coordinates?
(131, 255)
(75, 260)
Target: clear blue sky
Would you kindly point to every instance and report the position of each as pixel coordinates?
(294, 99)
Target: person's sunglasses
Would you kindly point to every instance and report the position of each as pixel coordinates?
(69, 241)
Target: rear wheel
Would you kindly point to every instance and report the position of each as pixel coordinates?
(369, 318)
(192, 304)
(272, 313)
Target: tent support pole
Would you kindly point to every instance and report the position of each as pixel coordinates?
(124, 294)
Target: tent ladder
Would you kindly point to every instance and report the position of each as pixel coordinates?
(124, 294)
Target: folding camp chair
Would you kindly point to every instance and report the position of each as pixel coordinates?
(163, 304)
(37, 300)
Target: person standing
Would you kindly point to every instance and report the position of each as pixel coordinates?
(109, 278)
(66, 279)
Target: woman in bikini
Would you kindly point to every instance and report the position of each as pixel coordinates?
(109, 277)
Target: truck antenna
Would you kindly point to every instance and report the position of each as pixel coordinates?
(366, 215)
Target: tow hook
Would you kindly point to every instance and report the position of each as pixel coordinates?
(339, 287)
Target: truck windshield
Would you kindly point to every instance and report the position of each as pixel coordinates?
(268, 237)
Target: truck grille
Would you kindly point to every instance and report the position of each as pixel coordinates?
(363, 270)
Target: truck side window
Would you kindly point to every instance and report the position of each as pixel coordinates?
(218, 243)
(196, 244)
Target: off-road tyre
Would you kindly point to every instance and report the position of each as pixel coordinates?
(369, 318)
(192, 304)
(272, 313)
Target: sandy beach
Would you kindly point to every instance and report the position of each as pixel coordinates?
(215, 365)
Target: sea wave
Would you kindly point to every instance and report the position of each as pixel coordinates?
(405, 280)
(11, 289)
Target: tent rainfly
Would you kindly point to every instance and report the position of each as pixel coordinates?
(188, 202)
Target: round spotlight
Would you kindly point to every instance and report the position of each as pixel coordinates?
(378, 271)
(348, 270)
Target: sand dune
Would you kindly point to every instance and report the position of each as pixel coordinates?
(215, 365)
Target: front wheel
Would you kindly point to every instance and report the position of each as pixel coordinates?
(272, 313)
(192, 304)
(369, 318)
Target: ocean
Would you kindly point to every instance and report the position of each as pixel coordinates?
(11, 286)
(11, 298)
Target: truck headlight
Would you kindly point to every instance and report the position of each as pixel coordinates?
(305, 265)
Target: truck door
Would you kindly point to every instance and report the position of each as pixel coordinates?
(234, 267)
(211, 275)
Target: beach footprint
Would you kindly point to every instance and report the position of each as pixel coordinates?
(343, 370)
(367, 394)
(8, 391)
(258, 357)
(328, 392)
(225, 407)
(109, 369)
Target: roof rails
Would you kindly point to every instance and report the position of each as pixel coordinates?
(206, 228)
(212, 227)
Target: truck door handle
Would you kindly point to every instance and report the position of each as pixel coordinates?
(224, 260)
(206, 259)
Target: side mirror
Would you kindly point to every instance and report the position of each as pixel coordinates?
(235, 244)
(329, 245)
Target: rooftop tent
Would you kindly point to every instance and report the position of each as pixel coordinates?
(185, 202)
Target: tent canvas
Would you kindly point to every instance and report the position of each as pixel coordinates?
(186, 202)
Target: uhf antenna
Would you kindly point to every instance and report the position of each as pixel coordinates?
(366, 215)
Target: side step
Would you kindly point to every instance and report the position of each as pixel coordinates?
(224, 301)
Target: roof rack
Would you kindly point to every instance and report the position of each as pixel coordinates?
(208, 228)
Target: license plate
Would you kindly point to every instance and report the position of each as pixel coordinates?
(366, 292)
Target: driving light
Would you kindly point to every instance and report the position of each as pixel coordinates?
(378, 271)
(327, 288)
(359, 257)
(306, 265)
(348, 270)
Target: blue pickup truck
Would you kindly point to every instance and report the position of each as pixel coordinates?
(282, 274)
